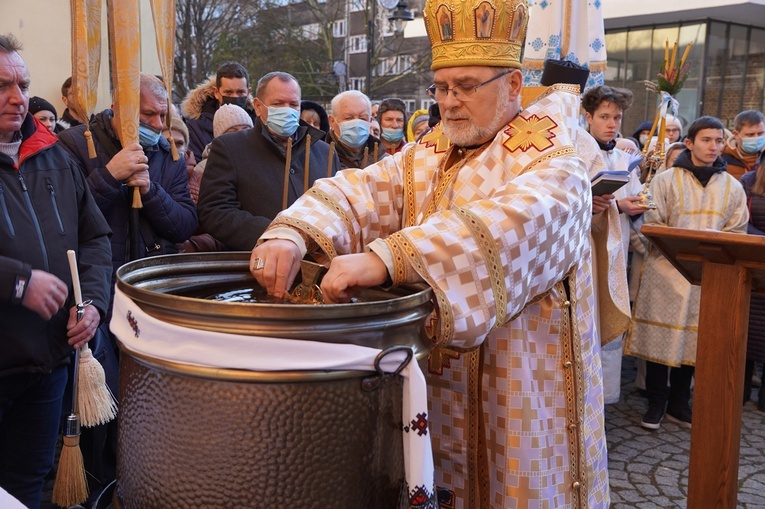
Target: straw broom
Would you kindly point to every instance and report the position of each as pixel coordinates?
(71, 486)
(95, 401)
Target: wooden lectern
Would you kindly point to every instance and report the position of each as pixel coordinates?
(728, 266)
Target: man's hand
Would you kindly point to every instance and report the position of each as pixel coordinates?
(140, 179)
(629, 205)
(128, 161)
(601, 203)
(275, 263)
(83, 331)
(349, 273)
(45, 294)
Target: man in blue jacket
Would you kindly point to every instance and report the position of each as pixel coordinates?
(45, 210)
(168, 215)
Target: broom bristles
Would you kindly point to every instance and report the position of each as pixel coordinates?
(71, 486)
(96, 403)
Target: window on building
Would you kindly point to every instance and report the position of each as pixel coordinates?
(754, 94)
(395, 65)
(310, 31)
(425, 103)
(357, 44)
(386, 26)
(358, 5)
(410, 105)
(357, 83)
(339, 28)
(636, 55)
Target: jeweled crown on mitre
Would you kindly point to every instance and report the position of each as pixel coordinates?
(476, 32)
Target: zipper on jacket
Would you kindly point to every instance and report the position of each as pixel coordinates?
(4, 206)
(55, 206)
(30, 207)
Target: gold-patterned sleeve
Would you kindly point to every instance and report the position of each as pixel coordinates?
(343, 214)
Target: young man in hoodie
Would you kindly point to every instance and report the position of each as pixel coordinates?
(696, 193)
(744, 150)
(231, 85)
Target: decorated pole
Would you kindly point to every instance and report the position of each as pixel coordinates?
(125, 51)
(670, 80)
(330, 157)
(163, 15)
(86, 61)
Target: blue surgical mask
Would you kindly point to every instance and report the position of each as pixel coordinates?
(392, 135)
(283, 121)
(753, 145)
(354, 133)
(147, 135)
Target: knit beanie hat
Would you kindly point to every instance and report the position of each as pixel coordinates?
(39, 104)
(177, 125)
(228, 116)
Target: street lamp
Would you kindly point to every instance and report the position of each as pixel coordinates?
(401, 15)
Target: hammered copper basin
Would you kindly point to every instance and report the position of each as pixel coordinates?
(204, 436)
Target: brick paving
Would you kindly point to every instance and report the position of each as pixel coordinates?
(649, 469)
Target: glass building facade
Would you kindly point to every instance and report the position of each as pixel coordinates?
(727, 73)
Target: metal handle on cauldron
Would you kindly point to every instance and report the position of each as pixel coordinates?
(383, 379)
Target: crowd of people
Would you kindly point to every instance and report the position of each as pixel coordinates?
(526, 265)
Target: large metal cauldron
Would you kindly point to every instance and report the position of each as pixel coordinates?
(194, 436)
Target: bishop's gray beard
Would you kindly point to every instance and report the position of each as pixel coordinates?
(474, 134)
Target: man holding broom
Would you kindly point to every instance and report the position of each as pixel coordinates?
(46, 209)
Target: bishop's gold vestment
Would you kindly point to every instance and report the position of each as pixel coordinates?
(500, 233)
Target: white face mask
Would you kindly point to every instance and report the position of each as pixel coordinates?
(643, 139)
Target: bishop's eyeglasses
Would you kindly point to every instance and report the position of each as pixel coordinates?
(460, 92)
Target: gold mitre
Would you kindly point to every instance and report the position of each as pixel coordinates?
(476, 32)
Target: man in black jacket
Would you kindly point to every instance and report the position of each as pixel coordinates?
(230, 85)
(46, 209)
(243, 183)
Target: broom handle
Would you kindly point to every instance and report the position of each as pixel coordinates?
(75, 373)
(75, 280)
(72, 257)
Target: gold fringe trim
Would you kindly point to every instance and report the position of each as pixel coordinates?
(316, 235)
(339, 211)
(409, 214)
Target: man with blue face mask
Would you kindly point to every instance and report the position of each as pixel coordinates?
(392, 118)
(168, 215)
(242, 187)
(350, 124)
(744, 150)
